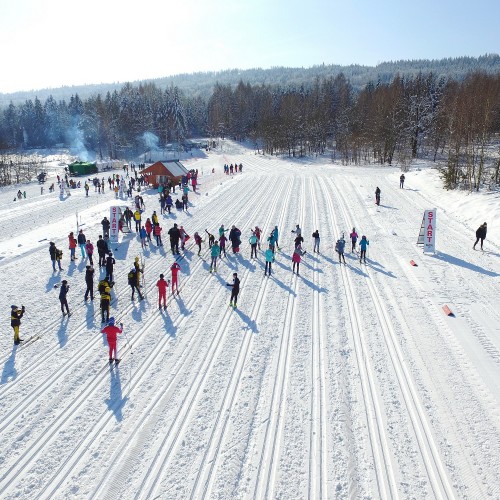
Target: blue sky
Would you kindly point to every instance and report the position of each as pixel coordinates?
(52, 43)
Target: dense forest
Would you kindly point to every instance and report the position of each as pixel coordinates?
(452, 120)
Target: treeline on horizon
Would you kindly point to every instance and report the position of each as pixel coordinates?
(424, 116)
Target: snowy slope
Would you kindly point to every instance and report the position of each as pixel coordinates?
(343, 382)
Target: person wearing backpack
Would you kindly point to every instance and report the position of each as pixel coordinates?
(104, 304)
(132, 281)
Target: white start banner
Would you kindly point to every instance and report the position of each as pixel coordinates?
(429, 226)
(114, 217)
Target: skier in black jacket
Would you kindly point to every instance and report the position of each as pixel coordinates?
(480, 234)
(15, 321)
(63, 291)
(89, 280)
(235, 290)
(175, 235)
(110, 262)
(102, 250)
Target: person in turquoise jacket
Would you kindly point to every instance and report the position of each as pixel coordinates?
(363, 244)
(253, 240)
(275, 233)
(269, 254)
(214, 253)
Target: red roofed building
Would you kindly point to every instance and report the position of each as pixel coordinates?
(163, 171)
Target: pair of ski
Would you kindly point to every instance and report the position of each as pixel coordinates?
(25, 343)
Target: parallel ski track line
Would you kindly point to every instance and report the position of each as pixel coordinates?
(139, 377)
(161, 401)
(94, 383)
(386, 482)
(465, 421)
(203, 484)
(269, 459)
(82, 328)
(87, 348)
(318, 473)
(438, 478)
(152, 479)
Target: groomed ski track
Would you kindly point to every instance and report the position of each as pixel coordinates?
(321, 385)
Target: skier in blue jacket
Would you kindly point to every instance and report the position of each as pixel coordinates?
(363, 244)
(340, 247)
(275, 233)
(269, 260)
(214, 253)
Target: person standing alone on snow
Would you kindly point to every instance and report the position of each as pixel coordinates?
(480, 234)
(63, 292)
(15, 321)
(235, 290)
(111, 331)
(175, 268)
(316, 237)
(401, 180)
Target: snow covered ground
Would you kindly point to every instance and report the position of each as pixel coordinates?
(347, 381)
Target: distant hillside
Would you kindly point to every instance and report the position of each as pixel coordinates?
(202, 83)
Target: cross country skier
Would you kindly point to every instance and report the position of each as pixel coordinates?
(234, 237)
(15, 321)
(72, 245)
(211, 239)
(235, 290)
(316, 237)
(55, 256)
(363, 244)
(175, 235)
(340, 247)
(81, 242)
(198, 241)
(111, 331)
(175, 268)
(222, 244)
(377, 196)
(132, 281)
(143, 235)
(63, 292)
(89, 248)
(269, 255)
(214, 254)
(297, 230)
(162, 285)
(258, 232)
(297, 257)
(105, 227)
(354, 239)
(105, 300)
(401, 181)
(480, 234)
(253, 245)
(89, 280)
(102, 250)
(110, 262)
(275, 234)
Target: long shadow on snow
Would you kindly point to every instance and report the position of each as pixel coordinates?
(378, 267)
(62, 332)
(90, 314)
(9, 371)
(462, 263)
(250, 323)
(52, 281)
(169, 326)
(282, 285)
(116, 401)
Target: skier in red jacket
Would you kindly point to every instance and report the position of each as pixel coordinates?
(162, 291)
(175, 271)
(111, 331)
